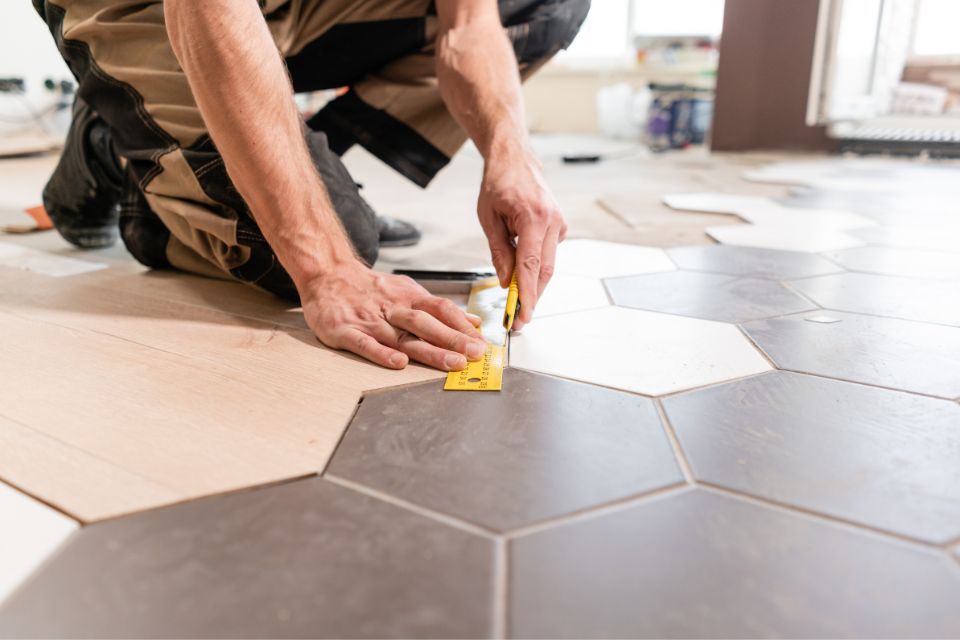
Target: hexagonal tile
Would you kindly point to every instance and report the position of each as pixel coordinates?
(541, 448)
(640, 351)
(598, 259)
(905, 298)
(899, 354)
(703, 565)
(887, 459)
(785, 238)
(304, 559)
(567, 293)
(886, 208)
(752, 262)
(29, 533)
(887, 261)
(940, 237)
(707, 295)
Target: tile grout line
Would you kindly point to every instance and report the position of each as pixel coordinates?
(866, 384)
(788, 285)
(343, 434)
(678, 451)
(818, 516)
(436, 516)
(598, 510)
(501, 588)
(756, 345)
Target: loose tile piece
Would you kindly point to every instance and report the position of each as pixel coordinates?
(784, 238)
(910, 263)
(752, 262)
(703, 565)
(541, 448)
(48, 264)
(567, 293)
(910, 356)
(29, 533)
(707, 295)
(767, 212)
(596, 259)
(305, 559)
(905, 298)
(640, 351)
(887, 459)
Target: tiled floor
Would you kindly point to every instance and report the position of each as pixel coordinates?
(694, 439)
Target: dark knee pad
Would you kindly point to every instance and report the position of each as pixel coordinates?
(550, 27)
(143, 233)
(358, 219)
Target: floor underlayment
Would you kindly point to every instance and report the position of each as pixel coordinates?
(759, 437)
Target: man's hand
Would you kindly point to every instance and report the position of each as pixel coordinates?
(523, 226)
(389, 319)
(480, 84)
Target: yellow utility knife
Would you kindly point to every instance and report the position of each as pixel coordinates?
(513, 303)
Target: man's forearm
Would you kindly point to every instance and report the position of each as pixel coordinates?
(482, 90)
(241, 87)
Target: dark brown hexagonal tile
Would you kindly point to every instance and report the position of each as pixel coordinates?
(898, 354)
(887, 459)
(541, 448)
(752, 262)
(904, 298)
(708, 296)
(701, 565)
(306, 559)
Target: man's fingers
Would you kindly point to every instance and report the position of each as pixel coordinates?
(529, 263)
(366, 346)
(502, 253)
(431, 355)
(455, 344)
(450, 314)
(549, 257)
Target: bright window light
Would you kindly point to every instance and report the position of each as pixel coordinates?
(607, 32)
(937, 24)
(677, 17)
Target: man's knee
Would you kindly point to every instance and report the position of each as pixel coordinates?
(551, 27)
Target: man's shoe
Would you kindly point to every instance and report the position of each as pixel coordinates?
(396, 233)
(83, 194)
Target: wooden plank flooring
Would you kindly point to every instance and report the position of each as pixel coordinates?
(144, 401)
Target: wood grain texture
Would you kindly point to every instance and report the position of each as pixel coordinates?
(189, 400)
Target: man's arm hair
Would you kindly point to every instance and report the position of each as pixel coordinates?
(245, 97)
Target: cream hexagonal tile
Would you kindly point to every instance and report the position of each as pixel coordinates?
(567, 293)
(598, 259)
(640, 351)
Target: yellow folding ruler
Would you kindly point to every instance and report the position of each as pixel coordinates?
(497, 309)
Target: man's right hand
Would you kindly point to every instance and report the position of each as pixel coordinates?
(389, 319)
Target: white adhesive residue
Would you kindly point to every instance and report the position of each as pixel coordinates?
(48, 264)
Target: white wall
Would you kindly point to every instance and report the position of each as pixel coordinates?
(26, 51)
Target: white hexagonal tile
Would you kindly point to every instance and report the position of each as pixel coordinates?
(598, 259)
(567, 293)
(29, 533)
(640, 351)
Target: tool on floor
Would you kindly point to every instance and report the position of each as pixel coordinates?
(497, 309)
